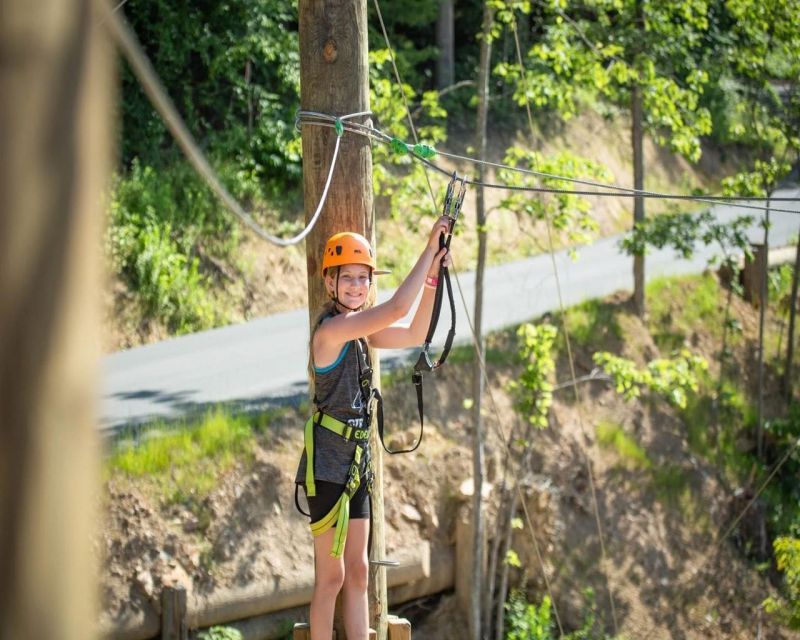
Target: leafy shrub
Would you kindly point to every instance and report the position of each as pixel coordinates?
(221, 633)
(157, 220)
(526, 621)
(787, 558)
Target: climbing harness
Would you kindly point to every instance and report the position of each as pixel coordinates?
(339, 514)
(450, 208)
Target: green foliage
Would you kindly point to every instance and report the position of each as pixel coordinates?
(533, 392)
(157, 218)
(671, 327)
(760, 40)
(232, 70)
(758, 182)
(399, 182)
(671, 378)
(186, 459)
(604, 48)
(526, 621)
(685, 231)
(592, 321)
(787, 558)
(569, 214)
(612, 435)
(221, 633)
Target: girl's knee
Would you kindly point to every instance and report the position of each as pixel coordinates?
(357, 574)
(330, 579)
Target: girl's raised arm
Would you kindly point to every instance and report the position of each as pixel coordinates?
(357, 324)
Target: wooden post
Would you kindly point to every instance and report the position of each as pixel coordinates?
(55, 94)
(753, 274)
(399, 628)
(173, 613)
(334, 80)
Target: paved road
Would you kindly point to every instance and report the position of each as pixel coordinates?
(264, 361)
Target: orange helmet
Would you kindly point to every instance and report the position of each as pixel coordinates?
(348, 248)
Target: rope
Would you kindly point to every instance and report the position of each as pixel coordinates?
(129, 45)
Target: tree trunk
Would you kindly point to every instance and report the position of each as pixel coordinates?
(762, 310)
(55, 88)
(334, 80)
(477, 377)
(637, 142)
(445, 63)
(787, 374)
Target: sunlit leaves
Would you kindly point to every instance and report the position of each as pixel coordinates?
(568, 213)
(533, 392)
(671, 378)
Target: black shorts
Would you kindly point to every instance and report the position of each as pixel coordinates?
(329, 492)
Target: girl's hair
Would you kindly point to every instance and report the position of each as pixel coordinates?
(327, 309)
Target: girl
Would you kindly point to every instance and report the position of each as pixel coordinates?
(338, 480)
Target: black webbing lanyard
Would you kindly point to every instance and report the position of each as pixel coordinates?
(451, 208)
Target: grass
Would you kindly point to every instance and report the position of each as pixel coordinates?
(185, 460)
(701, 304)
(611, 435)
(590, 322)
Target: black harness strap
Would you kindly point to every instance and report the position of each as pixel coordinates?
(451, 209)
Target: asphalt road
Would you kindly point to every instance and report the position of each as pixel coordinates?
(263, 362)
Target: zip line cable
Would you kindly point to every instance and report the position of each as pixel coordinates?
(129, 45)
(481, 362)
(570, 359)
(618, 191)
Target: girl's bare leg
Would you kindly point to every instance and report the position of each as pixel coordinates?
(356, 573)
(328, 580)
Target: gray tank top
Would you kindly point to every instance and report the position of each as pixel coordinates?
(338, 394)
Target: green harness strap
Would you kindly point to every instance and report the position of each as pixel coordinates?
(340, 513)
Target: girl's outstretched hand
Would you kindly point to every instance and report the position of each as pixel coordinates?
(442, 225)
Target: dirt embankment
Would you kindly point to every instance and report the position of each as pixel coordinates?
(669, 575)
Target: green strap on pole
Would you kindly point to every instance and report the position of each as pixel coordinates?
(398, 146)
(339, 127)
(424, 151)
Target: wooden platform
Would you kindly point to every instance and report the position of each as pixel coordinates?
(399, 629)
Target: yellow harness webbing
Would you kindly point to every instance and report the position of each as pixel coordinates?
(340, 513)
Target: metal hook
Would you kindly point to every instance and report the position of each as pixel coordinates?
(448, 198)
(460, 199)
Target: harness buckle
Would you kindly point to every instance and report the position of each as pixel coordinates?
(424, 361)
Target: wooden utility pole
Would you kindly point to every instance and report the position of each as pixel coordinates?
(55, 89)
(334, 80)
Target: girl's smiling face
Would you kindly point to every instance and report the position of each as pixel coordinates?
(353, 281)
